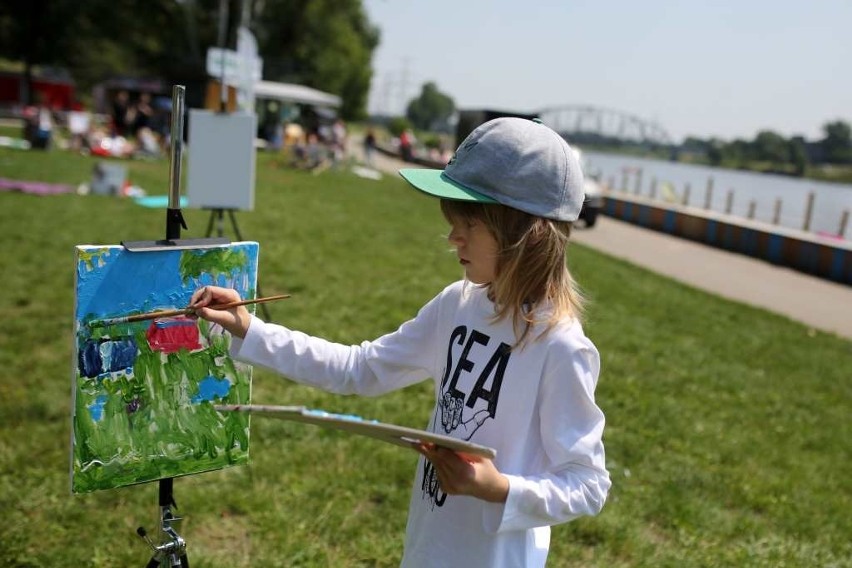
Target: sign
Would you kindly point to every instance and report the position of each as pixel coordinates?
(251, 74)
(231, 67)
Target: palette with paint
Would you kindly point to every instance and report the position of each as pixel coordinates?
(391, 433)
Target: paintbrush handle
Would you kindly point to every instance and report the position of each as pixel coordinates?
(230, 305)
(152, 315)
(187, 311)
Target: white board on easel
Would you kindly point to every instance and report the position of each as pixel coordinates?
(220, 172)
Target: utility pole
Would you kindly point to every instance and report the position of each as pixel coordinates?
(403, 86)
(386, 95)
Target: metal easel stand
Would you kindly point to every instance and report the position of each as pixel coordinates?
(172, 548)
(172, 552)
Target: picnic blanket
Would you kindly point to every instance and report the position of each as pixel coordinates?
(34, 187)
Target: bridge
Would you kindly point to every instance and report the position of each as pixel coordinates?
(594, 124)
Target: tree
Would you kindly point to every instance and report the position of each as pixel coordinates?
(715, 151)
(798, 155)
(837, 144)
(771, 147)
(432, 109)
(739, 152)
(398, 124)
(326, 44)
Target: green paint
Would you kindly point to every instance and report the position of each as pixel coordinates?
(215, 262)
(93, 258)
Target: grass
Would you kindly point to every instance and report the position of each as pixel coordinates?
(727, 427)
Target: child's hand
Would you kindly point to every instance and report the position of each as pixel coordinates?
(463, 474)
(236, 320)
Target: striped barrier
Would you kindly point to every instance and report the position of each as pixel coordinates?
(820, 256)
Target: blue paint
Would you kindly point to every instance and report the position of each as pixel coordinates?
(210, 388)
(89, 359)
(96, 409)
(776, 242)
(669, 221)
(118, 355)
(167, 323)
(711, 231)
(838, 259)
(98, 356)
(124, 282)
(348, 417)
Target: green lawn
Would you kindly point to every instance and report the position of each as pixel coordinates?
(727, 436)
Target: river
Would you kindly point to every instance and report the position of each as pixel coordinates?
(762, 197)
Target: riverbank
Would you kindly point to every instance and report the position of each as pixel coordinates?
(835, 173)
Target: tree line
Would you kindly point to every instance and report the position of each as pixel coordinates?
(771, 151)
(325, 44)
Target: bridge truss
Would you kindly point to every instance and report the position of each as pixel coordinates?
(593, 124)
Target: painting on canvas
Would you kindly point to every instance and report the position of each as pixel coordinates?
(143, 392)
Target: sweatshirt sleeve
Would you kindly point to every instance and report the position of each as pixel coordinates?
(576, 483)
(391, 362)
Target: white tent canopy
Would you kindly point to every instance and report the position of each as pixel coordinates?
(288, 92)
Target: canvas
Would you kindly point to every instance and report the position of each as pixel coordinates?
(144, 392)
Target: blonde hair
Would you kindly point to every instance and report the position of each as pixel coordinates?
(531, 271)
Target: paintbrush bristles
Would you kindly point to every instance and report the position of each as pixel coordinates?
(182, 312)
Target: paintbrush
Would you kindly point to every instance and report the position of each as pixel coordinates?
(181, 312)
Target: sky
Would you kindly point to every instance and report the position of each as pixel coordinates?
(712, 68)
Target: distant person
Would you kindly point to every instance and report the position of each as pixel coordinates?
(39, 124)
(121, 114)
(339, 139)
(369, 147)
(79, 124)
(510, 363)
(311, 154)
(148, 143)
(405, 143)
(143, 114)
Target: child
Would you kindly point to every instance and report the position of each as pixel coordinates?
(505, 348)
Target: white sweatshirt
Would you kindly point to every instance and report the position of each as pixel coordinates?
(534, 405)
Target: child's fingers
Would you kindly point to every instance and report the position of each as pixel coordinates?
(195, 300)
(202, 297)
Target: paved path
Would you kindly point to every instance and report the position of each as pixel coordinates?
(816, 302)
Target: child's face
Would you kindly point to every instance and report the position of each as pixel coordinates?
(476, 248)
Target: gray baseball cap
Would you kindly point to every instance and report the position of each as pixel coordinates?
(517, 162)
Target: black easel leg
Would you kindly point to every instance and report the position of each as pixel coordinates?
(234, 224)
(217, 216)
(167, 498)
(210, 223)
(171, 553)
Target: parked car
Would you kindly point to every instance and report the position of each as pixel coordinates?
(594, 195)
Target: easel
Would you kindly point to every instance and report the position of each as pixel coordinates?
(173, 548)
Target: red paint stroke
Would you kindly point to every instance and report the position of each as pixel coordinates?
(173, 334)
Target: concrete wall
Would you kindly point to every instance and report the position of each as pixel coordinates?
(821, 256)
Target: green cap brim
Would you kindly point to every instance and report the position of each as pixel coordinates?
(434, 182)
